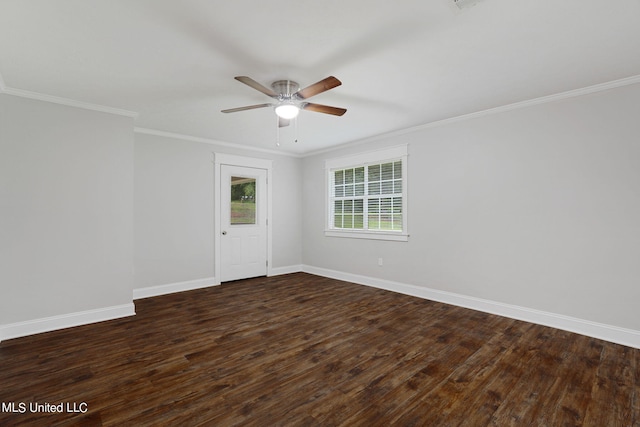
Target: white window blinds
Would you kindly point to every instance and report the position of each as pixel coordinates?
(368, 197)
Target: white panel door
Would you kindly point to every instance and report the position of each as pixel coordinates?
(243, 222)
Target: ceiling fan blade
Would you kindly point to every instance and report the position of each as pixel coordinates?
(257, 86)
(316, 88)
(326, 109)
(249, 107)
(283, 122)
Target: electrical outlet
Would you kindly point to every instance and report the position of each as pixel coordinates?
(380, 262)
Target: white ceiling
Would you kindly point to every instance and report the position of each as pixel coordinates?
(402, 64)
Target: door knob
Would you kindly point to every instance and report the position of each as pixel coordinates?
(224, 233)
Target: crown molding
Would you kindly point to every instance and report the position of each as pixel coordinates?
(531, 102)
(65, 101)
(211, 141)
(509, 107)
(502, 109)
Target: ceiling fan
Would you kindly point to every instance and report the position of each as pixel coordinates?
(289, 99)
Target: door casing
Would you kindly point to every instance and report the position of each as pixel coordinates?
(233, 160)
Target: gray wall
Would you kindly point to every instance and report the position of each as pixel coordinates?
(174, 212)
(537, 207)
(66, 209)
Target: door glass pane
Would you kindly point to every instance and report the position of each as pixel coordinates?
(243, 200)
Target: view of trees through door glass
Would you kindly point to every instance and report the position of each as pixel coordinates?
(243, 200)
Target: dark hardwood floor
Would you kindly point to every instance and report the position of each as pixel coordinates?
(301, 350)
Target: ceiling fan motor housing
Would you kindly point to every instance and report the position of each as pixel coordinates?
(285, 88)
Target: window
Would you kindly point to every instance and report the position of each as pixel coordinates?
(243, 203)
(367, 195)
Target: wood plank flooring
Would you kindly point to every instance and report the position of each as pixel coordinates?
(302, 350)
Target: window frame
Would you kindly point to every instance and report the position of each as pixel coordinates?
(386, 155)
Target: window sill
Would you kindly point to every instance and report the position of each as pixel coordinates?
(371, 235)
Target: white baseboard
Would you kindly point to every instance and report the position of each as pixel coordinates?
(47, 324)
(615, 334)
(277, 271)
(154, 291)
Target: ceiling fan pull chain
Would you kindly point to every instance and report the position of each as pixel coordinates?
(295, 125)
(277, 131)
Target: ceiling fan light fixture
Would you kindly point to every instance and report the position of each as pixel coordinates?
(287, 111)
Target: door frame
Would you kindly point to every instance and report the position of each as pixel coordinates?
(249, 162)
